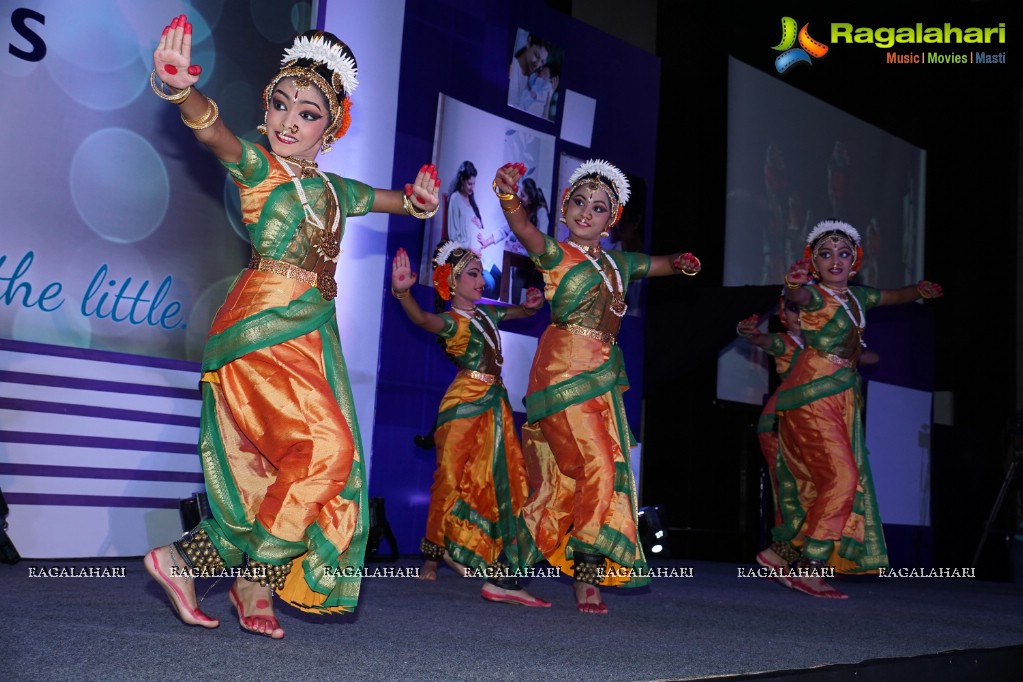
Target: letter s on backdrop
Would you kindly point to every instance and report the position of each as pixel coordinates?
(19, 17)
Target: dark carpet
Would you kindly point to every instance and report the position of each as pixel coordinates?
(715, 623)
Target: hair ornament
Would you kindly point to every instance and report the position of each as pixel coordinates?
(445, 250)
(826, 226)
(442, 280)
(836, 228)
(607, 171)
(332, 55)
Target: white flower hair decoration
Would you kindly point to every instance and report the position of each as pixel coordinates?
(826, 226)
(318, 49)
(607, 171)
(448, 248)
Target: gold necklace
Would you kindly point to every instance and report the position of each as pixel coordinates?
(595, 249)
(618, 305)
(309, 168)
(493, 339)
(859, 325)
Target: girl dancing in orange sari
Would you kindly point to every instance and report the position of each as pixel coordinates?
(819, 406)
(279, 440)
(790, 482)
(475, 515)
(784, 348)
(582, 510)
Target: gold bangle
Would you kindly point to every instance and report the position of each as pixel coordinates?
(208, 118)
(745, 336)
(406, 203)
(789, 284)
(177, 98)
(501, 195)
(920, 291)
(530, 311)
(399, 294)
(509, 211)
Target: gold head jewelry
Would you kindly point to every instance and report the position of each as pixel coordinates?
(462, 263)
(337, 59)
(446, 251)
(836, 232)
(598, 174)
(835, 242)
(303, 78)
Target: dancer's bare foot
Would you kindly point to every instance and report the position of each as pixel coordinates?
(454, 565)
(492, 592)
(168, 569)
(816, 587)
(779, 568)
(429, 570)
(255, 608)
(587, 598)
(808, 577)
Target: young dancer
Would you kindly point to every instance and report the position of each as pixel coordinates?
(279, 439)
(582, 512)
(480, 485)
(791, 485)
(819, 407)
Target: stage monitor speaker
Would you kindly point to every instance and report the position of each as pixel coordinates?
(652, 533)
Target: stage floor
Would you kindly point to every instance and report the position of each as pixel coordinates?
(718, 622)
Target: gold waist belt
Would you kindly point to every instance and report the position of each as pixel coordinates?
(604, 337)
(835, 359)
(480, 376)
(322, 281)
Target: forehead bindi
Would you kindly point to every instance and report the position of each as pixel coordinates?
(834, 246)
(309, 96)
(592, 194)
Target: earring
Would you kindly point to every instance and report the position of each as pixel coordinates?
(327, 146)
(852, 273)
(604, 235)
(261, 128)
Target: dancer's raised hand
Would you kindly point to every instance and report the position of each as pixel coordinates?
(173, 55)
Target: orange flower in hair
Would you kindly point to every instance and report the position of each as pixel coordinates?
(346, 117)
(441, 275)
